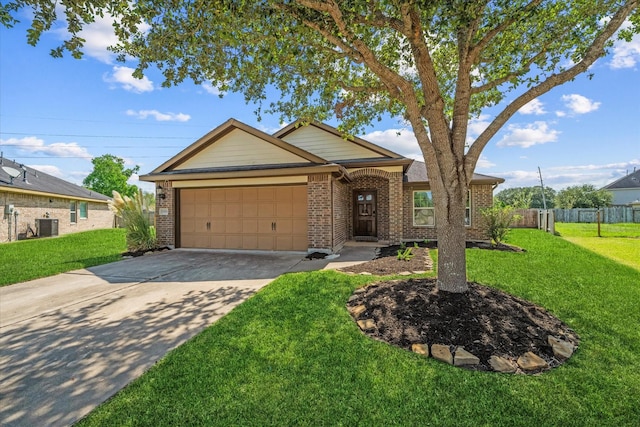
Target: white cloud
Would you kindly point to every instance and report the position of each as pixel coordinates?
(626, 54)
(533, 107)
(484, 163)
(32, 144)
(123, 76)
(99, 35)
(579, 104)
(161, 117)
(49, 169)
(559, 177)
(476, 126)
(402, 141)
(532, 134)
(560, 113)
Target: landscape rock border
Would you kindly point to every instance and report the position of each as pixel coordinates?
(549, 351)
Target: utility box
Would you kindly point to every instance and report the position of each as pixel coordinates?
(8, 209)
(47, 227)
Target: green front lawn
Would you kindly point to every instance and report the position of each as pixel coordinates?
(31, 259)
(620, 242)
(291, 355)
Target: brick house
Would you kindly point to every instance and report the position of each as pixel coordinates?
(304, 188)
(37, 204)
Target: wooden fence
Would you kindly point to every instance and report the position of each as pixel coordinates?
(533, 218)
(612, 215)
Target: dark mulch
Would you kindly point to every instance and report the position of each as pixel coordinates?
(134, 254)
(384, 265)
(485, 321)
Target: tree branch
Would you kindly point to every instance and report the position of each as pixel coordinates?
(595, 51)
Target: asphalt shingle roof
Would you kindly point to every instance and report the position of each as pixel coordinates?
(630, 181)
(417, 172)
(42, 182)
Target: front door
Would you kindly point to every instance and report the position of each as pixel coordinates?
(364, 223)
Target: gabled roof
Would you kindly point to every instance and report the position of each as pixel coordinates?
(234, 144)
(417, 172)
(360, 148)
(32, 181)
(631, 181)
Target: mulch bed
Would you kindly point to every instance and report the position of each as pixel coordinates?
(485, 321)
(385, 265)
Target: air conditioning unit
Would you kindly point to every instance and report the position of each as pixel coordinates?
(47, 227)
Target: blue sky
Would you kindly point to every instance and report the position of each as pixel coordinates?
(56, 114)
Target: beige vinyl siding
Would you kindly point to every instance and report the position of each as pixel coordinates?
(239, 148)
(327, 145)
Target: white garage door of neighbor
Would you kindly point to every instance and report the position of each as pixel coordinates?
(262, 218)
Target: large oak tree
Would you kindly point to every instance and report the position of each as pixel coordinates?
(435, 63)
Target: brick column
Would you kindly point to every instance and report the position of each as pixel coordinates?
(166, 224)
(395, 208)
(319, 214)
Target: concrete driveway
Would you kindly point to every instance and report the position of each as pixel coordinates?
(69, 342)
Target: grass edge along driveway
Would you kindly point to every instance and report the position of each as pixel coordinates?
(34, 258)
(291, 355)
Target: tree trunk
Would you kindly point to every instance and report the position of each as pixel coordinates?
(452, 235)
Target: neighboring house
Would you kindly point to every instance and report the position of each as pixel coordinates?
(304, 188)
(626, 189)
(37, 204)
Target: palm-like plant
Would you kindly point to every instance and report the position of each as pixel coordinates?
(141, 234)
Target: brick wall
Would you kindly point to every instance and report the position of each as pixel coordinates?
(481, 197)
(166, 224)
(341, 209)
(320, 216)
(31, 207)
(396, 208)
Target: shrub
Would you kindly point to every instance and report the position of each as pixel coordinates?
(498, 220)
(141, 235)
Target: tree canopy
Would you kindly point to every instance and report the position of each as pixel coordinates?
(109, 174)
(435, 64)
(583, 196)
(527, 197)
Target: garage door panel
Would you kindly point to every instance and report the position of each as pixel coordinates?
(218, 226)
(218, 210)
(250, 241)
(233, 241)
(217, 195)
(233, 210)
(284, 226)
(299, 226)
(233, 195)
(233, 226)
(299, 210)
(250, 209)
(266, 210)
(284, 209)
(264, 218)
(250, 226)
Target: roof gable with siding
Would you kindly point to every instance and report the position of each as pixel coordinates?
(235, 144)
(238, 148)
(326, 142)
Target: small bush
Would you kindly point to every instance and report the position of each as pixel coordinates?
(141, 235)
(405, 254)
(498, 220)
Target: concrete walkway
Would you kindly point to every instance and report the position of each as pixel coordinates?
(71, 341)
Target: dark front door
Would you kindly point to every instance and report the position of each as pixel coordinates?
(364, 215)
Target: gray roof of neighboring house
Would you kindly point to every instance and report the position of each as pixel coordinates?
(630, 181)
(41, 182)
(417, 172)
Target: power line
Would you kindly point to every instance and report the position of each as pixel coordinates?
(95, 136)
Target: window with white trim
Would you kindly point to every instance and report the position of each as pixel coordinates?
(83, 208)
(73, 213)
(424, 214)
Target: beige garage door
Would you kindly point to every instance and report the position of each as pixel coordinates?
(263, 218)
